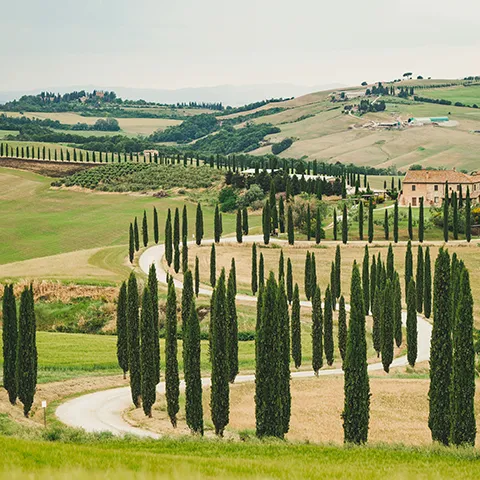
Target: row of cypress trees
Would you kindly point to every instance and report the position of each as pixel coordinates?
(134, 234)
(20, 358)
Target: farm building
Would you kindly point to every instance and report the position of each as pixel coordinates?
(427, 120)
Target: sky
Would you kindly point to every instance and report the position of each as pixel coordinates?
(196, 43)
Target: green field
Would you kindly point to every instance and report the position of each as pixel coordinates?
(117, 459)
(466, 95)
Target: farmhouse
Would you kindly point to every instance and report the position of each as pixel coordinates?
(431, 185)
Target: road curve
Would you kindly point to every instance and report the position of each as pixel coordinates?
(103, 411)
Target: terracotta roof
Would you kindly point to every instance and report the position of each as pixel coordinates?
(436, 176)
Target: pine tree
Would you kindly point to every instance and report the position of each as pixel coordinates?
(386, 226)
(366, 280)
(147, 354)
(421, 222)
(261, 271)
(296, 329)
(145, 229)
(427, 285)
(155, 225)
(289, 281)
(197, 277)
(408, 265)
(445, 215)
(27, 357)
(370, 220)
(463, 427)
(135, 235)
(439, 419)
(308, 273)
(122, 337)
(168, 239)
(199, 226)
(245, 221)
(410, 223)
(213, 266)
(356, 412)
(388, 325)
(342, 329)
(133, 334)
(216, 225)
(10, 341)
(328, 327)
(468, 217)
(239, 226)
(419, 279)
(335, 224)
(411, 323)
(153, 291)
(377, 313)
(232, 326)
(395, 222)
(172, 382)
(184, 226)
(397, 309)
(290, 231)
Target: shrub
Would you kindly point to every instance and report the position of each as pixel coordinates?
(228, 199)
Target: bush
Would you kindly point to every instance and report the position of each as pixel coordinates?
(252, 195)
(228, 199)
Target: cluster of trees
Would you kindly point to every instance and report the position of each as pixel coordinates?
(134, 233)
(190, 129)
(172, 237)
(278, 148)
(20, 357)
(380, 89)
(367, 106)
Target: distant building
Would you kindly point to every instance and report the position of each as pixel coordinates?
(150, 153)
(431, 185)
(427, 120)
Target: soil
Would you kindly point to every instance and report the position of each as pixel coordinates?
(45, 167)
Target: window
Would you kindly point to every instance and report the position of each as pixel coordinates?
(414, 187)
(435, 200)
(414, 202)
(435, 188)
(458, 187)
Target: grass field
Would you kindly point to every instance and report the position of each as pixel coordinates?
(114, 459)
(466, 95)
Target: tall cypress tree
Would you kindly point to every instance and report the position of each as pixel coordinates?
(245, 221)
(197, 277)
(395, 222)
(169, 238)
(155, 225)
(184, 256)
(199, 225)
(445, 215)
(153, 292)
(187, 297)
(232, 326)
(172, 382)
(122, 337)
(289, 281)
(27, 351)
(281, 215)
(290, 231)
(373, 281)
(318, 227)
(335, 224)
(388, 325)
(254, 280)
(468, 217)
(344, 224)
(147, 354)
(463, 426)
(370, 220)
(338, 276)
(408, 265)
(342, 329)
(145, 229)
(176, 258)
(131, 244)
(421, 222)
(184, 225)
(10, 341)
(360, 220)
(427, 285)
(308, 273)
(410, 223)
(411, 323)
(216, 225)
(455, 215)
(366, 280)
(296, 329)
(419, 279)
(441, 352)
(309, 223)
(390, 263)
(219, 401)
(328, 327)
(377, 311)
(239, 226)
(356, 412)
(386, 226)
(261, 271)
(283, 375)
(266, 223)
(281, 268)
(135, 235)
(176, 229)
(397, 309)
(133, 329)
(213, 266)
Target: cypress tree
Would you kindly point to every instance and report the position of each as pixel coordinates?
(26, 351)
(390, 263)
(219, 401)
(187, 298)
(199, 229)
(445, 216)
(408, 265)
(184, 225)
(388, 325)
(344, 225)
(232, 326)
(335, 224)
(289, 281)
(131, 244)
(395, 222)
(313, 274)
(397, 309)
(266, 223)
(283, 375)
(122, 338)
(135, 235)
(216, 225)
(176, 258)
(468, 217)
(366, 280)
(261, 271)
(411, 323)
(184, 256)
(328, 327)
(147, 354)
(377, 312)
(463, 427)
(172, 382)
(145, 229)
(427, 285)
(281, 215)
(386, 227)
(370, 220)
(309, 223)
(133, 330)
(296, 329)
(153, 292)
(455, 215)
(440, 352)
(176, 229)
(245, 221)
(281, 268)
(308, 273)
(356, 412)
(197, 277)
(239, 226)
(168, 239)
(193, 379)
(213, 266)
(254, 280)
(290, 231)
(338, 276)
(421, 222)
(10, 341)
(410, 223)
(155, 225)
(342, 329)
(318, 227)
(373, 281)
(360, 220)
(419, 279)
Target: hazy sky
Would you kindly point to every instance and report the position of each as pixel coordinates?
(186, 43)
